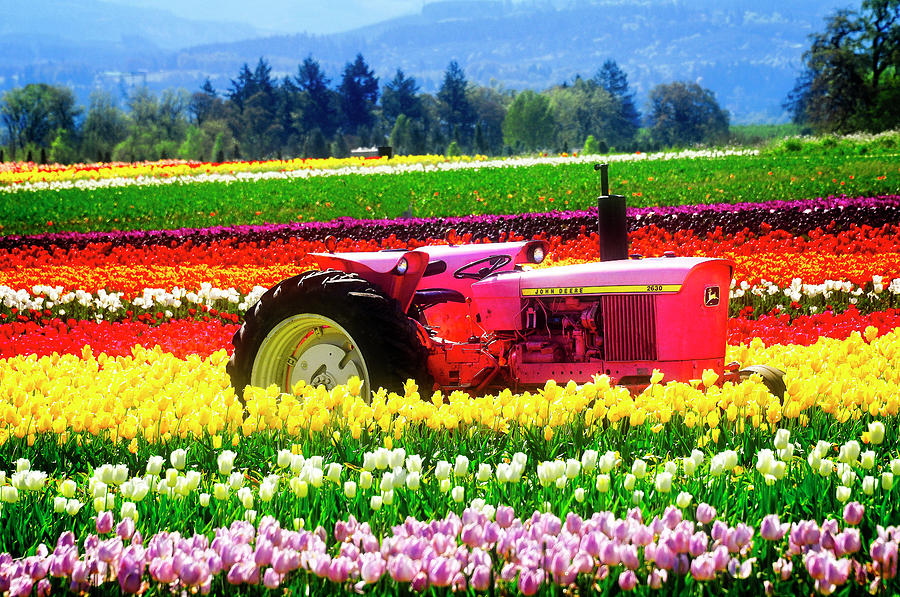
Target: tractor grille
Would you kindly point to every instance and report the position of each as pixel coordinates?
(629, 327)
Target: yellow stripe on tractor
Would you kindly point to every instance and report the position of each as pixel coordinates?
(621, 289)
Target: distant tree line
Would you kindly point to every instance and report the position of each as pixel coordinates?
(850, 80)
(306, 115)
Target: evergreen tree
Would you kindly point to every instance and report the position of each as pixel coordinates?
(627, 119)
(204, 103)
(400, 96)
(243, 87)
(358, 94)
(317, 102)
(454, 108)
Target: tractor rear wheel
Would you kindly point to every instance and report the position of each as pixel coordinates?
(772, 378)
(323, 328)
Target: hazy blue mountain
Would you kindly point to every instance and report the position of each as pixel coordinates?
(747, 52)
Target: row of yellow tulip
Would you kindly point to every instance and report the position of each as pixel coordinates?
(157, 396)
(29, 172)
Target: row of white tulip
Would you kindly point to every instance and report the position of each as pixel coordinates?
(385, 471)
(385, 169)
(879, 293)
(828, 289)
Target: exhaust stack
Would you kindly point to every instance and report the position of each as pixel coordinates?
(612, 225)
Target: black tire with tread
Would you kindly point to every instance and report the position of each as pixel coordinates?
(772, 378)
(386, 337)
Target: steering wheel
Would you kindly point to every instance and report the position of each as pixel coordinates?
(478, 270)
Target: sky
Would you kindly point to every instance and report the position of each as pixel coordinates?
(288, 16)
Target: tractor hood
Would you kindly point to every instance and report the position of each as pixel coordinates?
(705, 280)
(657, 275)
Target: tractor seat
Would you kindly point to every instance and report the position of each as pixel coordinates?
(428, 297)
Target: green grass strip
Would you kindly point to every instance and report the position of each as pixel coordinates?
(537, 188)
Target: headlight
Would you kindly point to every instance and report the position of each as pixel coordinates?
(402, 266)
(537, 254)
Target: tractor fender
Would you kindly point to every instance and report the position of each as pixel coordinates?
(383, 269)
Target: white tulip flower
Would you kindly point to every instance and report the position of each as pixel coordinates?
(868, 485)
(782, 438)
(154, 465)
(842, 493)
(765, 460)
(461, 467)
(334, 472)
(225, 460)
(442, 470)
(299, 487)
(639, 469)
(589, 461)
(220, 491)
(365, 479)
(350, 489)
(414, 463)
(382, 457)
(690, 466)
(67, 488)
(387, 482)
(876, 432)
(573, 467)
(179, 458)
(663, 482)
(73, 506)
(458, 494)
(245, 495)
(867, 460)
(396, 457)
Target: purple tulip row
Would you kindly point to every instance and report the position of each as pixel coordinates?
(797, 217)
(471, 551)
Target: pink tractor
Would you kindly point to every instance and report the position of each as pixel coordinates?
(481, 317)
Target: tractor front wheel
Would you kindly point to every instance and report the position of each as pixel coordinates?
(323, 328)
(772, 378)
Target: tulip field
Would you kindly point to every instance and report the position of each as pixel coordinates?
(128, 464)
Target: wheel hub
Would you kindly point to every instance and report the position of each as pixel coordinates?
(324, 364)
(311, 348)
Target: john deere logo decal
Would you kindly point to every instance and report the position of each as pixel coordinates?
(711, 296)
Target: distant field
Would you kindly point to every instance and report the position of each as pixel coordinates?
(791, 170)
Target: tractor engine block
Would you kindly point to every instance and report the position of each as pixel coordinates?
(562, 330)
